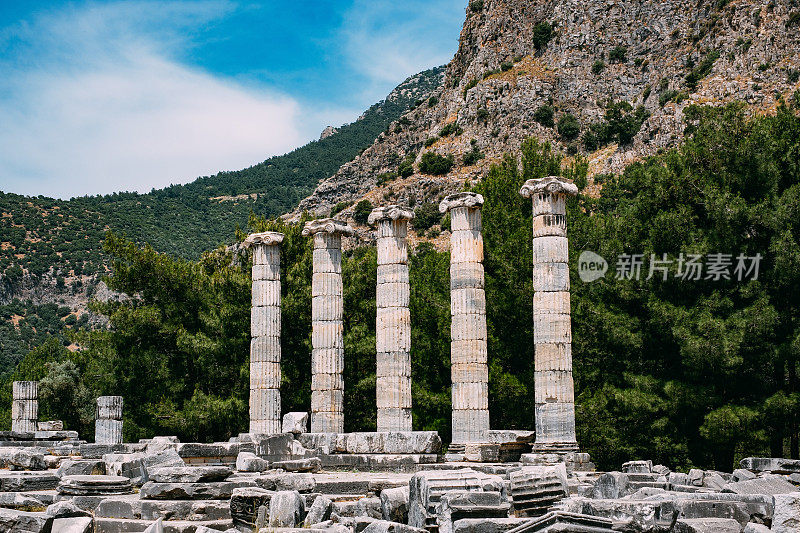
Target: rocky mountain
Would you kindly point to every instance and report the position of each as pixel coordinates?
(607, 80)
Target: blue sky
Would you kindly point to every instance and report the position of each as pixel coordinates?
(97, 97)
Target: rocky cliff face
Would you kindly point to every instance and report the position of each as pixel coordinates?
(522, 66)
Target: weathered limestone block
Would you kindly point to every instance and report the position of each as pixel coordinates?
(245, 502)
(458, 504)
(707, 525)
(394, 504)
(286, 509)
(766, 484)
(295, 423)
(265, 329)
(487, 525)
(189, 474)
(108, 420)
(308, 464)
(135, 466)
(23, 521)
(786, 518)
(535, 489)
(383, 526)
(27, 481)
(611, 485)
(301, 482)
(427, 487)
(319, 511)
(94, 485)
(24, 406)
(775, 465)
(250, 462)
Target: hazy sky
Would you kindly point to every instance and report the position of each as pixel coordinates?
(97, 97)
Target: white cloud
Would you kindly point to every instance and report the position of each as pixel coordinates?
(105, 109)
(387, 41)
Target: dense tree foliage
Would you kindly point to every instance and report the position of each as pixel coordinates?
(683, 371)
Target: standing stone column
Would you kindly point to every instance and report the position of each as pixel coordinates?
(327, 335)
(108, 420)
(24, 406)
(265, 330)
(468, 353)
(393, 324)
(552, 330)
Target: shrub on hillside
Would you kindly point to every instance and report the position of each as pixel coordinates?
(542, 33)
(568, 127)
(362, 211)
(618, 54)
(545, 116)
(435, 164)
(426, 216)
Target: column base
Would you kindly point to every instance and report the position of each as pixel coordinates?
(574, 461)
(555, 447)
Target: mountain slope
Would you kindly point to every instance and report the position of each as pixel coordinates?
(607, 79)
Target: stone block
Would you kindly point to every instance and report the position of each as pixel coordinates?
(15, 521)
(94, 485)
(477, 452)
(487, 525)
(189, 474)
(286, 509)
(370, 507)
(27, 481)
(319, 511)
(192, 491)
(394, 504)
(250, 462)
(740, 474)
(383, 526)
(637, 467)
(309, 464)
(50, 425)
(707, 525)
(458, 504)
(427, 487)
(611, 485)
(534, 489)
(776, 465)
(786, 518)
(766, 484)
(23, 459)
(295, 423)
(303, 483)
(81, 524)
(245, 503)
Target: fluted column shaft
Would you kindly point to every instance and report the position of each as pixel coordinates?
(265, 331)
(552, 337)
(108, 420)
(393, 322)
(468, 346)
(24, 406)
(327, 325)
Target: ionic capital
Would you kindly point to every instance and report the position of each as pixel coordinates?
(550, 184)
(268, 237)
(327, 225)
(461, 199)
(389, 212)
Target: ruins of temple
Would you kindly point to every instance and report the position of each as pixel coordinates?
(299, 471)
